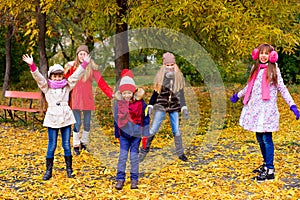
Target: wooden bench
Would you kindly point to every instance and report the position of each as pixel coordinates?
(26, 105)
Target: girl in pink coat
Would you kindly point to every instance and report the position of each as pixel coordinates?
(82, 97)
(260, 112)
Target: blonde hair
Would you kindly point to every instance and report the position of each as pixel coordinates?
(178, 79)
(88, 70)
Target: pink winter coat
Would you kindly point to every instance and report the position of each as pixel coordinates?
(82, 97)
(262, 115)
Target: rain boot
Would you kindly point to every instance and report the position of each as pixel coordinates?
(49, 167)
(179, 148)
(68, 160)
(143, 151)
(76, 142)
(85, 140)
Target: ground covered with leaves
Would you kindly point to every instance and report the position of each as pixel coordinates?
(222, 170)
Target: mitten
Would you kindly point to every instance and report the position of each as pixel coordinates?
(148, 110)
(295, 111)
(234, 98)
(86, 61)
(185, 112)
(144, 142)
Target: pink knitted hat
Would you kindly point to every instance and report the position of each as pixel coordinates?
(168, 58)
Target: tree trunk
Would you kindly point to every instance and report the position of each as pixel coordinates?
(41, 22)
(9, 36)
(121, 48)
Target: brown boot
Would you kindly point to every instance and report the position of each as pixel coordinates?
(120, 184)
(134, 184)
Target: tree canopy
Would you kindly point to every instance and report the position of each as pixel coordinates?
(228, 30)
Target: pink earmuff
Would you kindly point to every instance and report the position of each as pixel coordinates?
(273, 56)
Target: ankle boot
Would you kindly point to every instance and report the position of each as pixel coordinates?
(49, 167)
(179, 148)
(143, 151)
(68, 160)
(120, 184)
(134, 184)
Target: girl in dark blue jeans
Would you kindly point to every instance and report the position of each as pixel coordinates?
(130, 125)
(59, 115)
(260, 112)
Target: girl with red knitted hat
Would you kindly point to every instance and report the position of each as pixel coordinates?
(131, 124)
(260, 112)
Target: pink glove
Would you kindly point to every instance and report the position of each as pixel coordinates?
(32, 67)
(29, 60)
(86, 61)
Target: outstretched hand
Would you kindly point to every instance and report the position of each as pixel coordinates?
(234, 98)
(28, 59)
(86, 61)
(87, 58)
(185, 114)
(295, 111)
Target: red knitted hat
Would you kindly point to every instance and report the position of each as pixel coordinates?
(127, 72)
(127, 82)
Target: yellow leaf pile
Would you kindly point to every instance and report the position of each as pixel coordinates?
(221, 171)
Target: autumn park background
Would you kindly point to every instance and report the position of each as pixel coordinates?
(221, 154)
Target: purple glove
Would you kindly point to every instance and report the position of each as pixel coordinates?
(295, 111)
(234, 98)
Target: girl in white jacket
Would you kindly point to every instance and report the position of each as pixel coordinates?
(59, 115)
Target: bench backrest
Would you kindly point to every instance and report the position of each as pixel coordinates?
(25, 95)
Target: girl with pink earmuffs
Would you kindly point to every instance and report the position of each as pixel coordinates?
(260, 112)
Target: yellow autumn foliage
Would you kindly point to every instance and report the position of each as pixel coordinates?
(222, 171)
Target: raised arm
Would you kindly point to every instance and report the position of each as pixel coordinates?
(29, 60)
(38, 77)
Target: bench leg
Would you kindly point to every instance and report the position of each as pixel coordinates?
(11, 115)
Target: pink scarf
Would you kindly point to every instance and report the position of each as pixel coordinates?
(57, 84)
(265, 85)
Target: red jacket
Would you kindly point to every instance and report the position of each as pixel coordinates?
(82, 97)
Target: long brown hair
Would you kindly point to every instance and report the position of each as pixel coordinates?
(178, 79)
(271, 75)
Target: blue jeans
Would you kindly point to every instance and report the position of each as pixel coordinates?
(159, 116)
(127, 144)
(52, 140)
(266, 144)
(86, 120)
